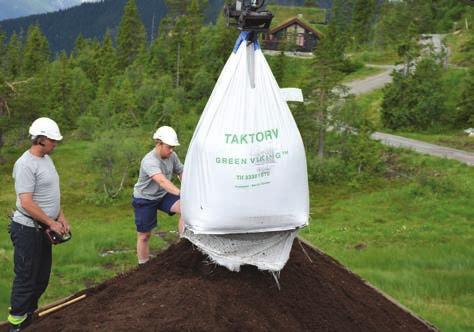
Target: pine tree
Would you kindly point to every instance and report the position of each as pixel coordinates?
(176, 8)
(60, 89)
(159, 62)
(175, 51)
(13, 57)
(341, 22)
(321, 88)
(79, 45)
(415, 100)
(423, 17)
(337, 35)
(86, 57)
(36, 52)
(221, 43)
(392, 26)
(465, 110)
(3, 50)
(107, 61)
(131, 37)
(195, 19)
(124, 104)
(409, 49)
(362, 19)
(81, 96)
(193, 22)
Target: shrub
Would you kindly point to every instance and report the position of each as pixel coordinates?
(465, 111)
(326, 171)
(86, 126)
(116, 155)
(415, 101)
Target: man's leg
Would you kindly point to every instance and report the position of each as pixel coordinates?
(176, 208)
(43, 268)
(145, 220)
(24, 259)
(143, 251)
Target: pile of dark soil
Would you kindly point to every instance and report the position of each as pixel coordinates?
(181, 291)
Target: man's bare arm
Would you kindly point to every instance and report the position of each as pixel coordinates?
(166, 184)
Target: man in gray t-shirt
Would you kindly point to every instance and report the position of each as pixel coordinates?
(154, 190)
(38, 207)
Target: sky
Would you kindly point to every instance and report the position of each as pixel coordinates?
(18, 8)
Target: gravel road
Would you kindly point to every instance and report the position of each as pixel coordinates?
(426, 148)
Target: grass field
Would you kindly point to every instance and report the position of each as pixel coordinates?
(380, 57)
(410, 235)
(411, 238)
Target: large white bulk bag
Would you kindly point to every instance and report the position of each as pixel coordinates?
(245, 169)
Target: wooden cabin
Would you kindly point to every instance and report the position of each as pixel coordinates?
(298, 35)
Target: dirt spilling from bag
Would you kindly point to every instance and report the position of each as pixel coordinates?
(180, 290)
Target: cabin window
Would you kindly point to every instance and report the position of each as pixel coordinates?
(300, 40)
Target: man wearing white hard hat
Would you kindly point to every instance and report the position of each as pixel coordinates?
(154, 190)
(38, 211)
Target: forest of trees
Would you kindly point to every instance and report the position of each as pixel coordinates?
(113, 89)
(93, 19)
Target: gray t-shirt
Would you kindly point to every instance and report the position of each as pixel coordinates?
(151, 165)
(36, 175)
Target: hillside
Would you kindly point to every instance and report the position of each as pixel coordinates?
(93, 19)
(18, 8)
(180, 290)
(61, 28)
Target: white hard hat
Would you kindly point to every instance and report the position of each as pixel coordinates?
(45, 127)
(167, 135)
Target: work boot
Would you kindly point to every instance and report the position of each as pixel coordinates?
(14, 328)
(22, 325)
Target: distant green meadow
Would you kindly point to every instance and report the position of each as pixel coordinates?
(410, 237)
(409, 234)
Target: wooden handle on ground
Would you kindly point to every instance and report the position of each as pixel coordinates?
(62, 305)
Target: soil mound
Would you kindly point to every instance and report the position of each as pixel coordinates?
(180, 290)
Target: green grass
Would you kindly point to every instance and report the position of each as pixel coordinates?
(416, 231)
(416, 234)
(380, 57)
